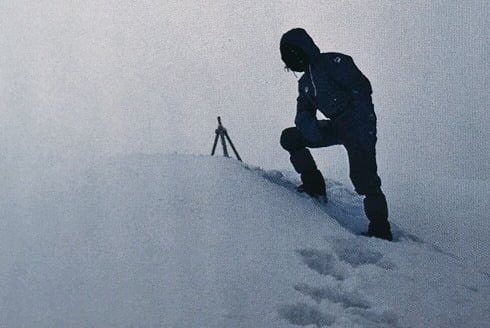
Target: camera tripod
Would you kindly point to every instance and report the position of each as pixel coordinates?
(223, 135)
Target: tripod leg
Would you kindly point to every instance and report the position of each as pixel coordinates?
(223, 143)
(232, 146)
(214, 144)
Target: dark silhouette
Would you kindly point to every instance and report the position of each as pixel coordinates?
(332, 84)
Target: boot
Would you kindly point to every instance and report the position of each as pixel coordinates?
(376, 211)
(313, 184)
(380, 230)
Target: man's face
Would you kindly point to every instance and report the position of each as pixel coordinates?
(294, 58)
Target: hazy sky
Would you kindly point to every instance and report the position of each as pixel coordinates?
(84, 78)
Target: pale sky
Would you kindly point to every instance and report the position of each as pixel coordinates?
(83, 78)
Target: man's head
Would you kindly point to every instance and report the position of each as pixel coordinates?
(297, 49)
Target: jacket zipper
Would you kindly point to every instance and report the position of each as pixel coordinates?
(312, 81)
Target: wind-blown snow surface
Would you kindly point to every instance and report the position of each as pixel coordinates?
(195, 241)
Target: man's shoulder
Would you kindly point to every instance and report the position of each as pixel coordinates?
(334, 58)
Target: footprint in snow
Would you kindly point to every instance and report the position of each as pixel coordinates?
(356, 254)
(345, 254)
(348, 252)
(356, 310)
(334, 294)
(323, 262)
(370, 318)
(302, 314)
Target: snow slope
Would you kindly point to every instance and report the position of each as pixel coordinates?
(197, 241)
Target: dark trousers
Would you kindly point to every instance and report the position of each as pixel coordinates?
(356, 131)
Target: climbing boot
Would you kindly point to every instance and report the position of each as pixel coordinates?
(380, 230)
(376, 210)
(313, 184)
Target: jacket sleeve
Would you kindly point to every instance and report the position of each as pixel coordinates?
(306, 120)
(347, 75)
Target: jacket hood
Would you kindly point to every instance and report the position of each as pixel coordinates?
(298, 38)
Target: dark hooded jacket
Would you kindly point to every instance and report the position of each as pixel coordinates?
(331, 83)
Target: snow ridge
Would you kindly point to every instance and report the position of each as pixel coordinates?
(199, 241)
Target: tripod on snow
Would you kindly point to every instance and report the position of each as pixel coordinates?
(222, 134)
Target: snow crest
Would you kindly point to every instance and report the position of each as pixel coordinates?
(199, 241)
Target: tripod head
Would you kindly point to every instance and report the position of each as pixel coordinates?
(220, 128)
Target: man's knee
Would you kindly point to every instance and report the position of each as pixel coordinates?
(292, 139)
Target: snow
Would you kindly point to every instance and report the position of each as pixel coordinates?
(198, 241)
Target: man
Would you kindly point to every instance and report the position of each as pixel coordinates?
(332, 84)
